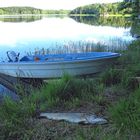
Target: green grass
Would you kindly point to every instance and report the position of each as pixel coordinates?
(15, 118)
(114, 94)
(126, 113)
(111, 77)
(68, 91)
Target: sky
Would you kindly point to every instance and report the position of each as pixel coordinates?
(52, 4)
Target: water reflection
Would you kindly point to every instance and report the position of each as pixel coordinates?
(135, 29)
(64, 34)
(19, 18)
(104, 21)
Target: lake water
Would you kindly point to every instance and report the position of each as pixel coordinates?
(27, 34)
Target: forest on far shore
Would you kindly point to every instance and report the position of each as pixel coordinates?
(104, 9)
(123, 8)
(29, 10)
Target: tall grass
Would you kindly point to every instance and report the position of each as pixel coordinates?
(15, 118)
(111, 77)
(83, 46)
(67, 90)
(131, 55)
(126, 113)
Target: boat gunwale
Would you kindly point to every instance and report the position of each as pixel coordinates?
(65, 61)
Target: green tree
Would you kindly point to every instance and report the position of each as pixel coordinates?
(136, 7)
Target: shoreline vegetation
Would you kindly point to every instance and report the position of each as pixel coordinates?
(73, 15)
(70, 15)
(113, 94)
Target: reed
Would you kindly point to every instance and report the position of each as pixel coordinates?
(83, 46)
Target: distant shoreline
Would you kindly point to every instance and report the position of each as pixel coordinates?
(111, 15)
(17, 15)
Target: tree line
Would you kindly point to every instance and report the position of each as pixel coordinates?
(29, 10)
(103, 9)
(19, 10)
(125, 7)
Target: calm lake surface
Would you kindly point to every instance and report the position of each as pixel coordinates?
(27, 34)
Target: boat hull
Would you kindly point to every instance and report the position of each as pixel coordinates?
(45, 70)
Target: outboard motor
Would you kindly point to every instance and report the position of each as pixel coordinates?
(12, 56)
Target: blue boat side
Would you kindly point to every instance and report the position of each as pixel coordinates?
(70, 57)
